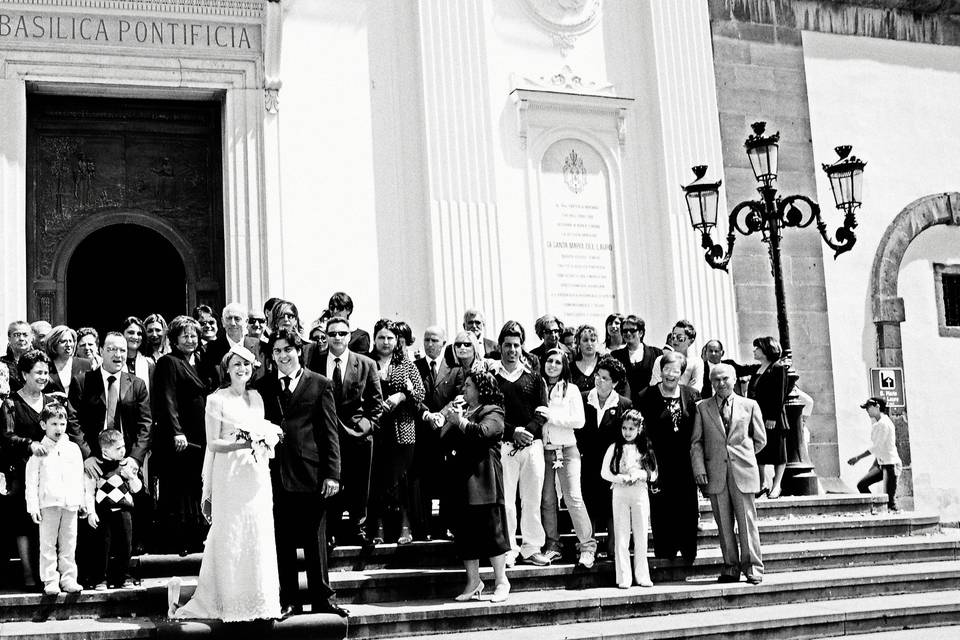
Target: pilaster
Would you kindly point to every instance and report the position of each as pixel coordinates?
(13, 200)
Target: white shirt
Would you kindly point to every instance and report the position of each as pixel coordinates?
(510, 376)
(565, 414)
(230, 341)
(106, 385)
(64, 374)
(332, 363)
(883, 441)
(294, 379)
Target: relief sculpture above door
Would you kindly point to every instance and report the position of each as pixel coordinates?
(96, 164)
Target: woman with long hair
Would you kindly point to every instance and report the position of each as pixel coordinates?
(395, 438)
(137, 363)
(155, 343)
(613, 340)
(585, 357)
(561, 417)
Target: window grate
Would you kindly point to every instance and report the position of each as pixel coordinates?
(951, 299)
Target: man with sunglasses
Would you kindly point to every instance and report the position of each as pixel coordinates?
(256, 321)
(681, 339)
(635, 356)
(357, 396)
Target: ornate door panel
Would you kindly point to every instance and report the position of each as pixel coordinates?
(94, 163)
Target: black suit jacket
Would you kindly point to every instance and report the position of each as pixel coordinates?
(639, 373)
(440, 391)
(89, 398)
(310, 450)
(78, 368)
(599, 432)
(179, 402)
(359, 406)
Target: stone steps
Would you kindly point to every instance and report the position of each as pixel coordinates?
(915, 616)
(801, 604)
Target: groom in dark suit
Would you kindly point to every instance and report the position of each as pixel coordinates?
(305, 472)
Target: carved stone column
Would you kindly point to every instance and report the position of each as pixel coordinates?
(13, 201)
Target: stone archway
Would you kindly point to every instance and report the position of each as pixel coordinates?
(887, 309)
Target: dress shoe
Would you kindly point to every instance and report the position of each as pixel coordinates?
(471, 594)
(537, 559)
(752, 579)
(289, 610)
(329, 607)
(724, 578)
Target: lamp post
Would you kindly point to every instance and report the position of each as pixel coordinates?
(769, 215)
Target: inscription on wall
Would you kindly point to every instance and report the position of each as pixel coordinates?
(17, 28)
(578, 245)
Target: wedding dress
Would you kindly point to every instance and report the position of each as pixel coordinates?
(238, 575)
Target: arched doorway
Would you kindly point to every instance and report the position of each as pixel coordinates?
(123, 270)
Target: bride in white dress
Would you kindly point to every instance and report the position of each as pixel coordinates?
(238, 575)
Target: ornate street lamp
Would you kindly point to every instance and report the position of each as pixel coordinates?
(768, 216)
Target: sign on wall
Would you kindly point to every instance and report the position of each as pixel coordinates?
(887, 383)
(577, 240)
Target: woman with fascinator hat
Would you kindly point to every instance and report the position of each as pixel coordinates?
(238, 575)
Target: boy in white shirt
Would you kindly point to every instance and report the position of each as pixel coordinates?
(54, 496)
(883, 446)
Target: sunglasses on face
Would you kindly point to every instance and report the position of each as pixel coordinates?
(256, 321)
(629, 330)
(337, 334)
(462, 344)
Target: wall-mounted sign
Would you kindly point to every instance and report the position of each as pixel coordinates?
(578, 243)
(887, 383)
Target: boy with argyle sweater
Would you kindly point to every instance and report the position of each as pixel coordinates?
(110, 498)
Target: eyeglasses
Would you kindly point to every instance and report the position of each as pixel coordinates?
(288, 316)
(337, 334)
(554, 330)
(208, 323)
(680, 338)
(115, 349)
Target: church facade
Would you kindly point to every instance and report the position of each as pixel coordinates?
(520, 156)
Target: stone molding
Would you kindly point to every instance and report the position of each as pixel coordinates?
(564, 20)
(916, 217)
(567, 81)
(225, 8)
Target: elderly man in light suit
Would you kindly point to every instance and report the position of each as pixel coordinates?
(727, 433)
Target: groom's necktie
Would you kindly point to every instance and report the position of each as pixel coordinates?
(285, 393)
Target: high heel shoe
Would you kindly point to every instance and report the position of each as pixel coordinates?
(405, 536)
(501, 592)
(763, 492)
(771, 495)
(473, 594)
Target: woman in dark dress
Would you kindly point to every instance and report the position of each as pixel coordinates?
(22, 434)
(585, 357)
(768, 386)
(668, 410)
(470, 438)
(603, 410)
(395, 437)
(179, 400)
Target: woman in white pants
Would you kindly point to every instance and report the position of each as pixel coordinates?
(629, 465)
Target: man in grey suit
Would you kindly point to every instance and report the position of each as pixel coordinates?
(727, 433)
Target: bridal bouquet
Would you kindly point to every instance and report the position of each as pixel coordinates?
(262, 435)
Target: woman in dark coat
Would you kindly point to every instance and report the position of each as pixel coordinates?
(470, 438)
(22, 433)
(768, 386)
(65, 364)
(603, 410)
(179, 400)
(668, 410)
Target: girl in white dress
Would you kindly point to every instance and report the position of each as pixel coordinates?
(238, 575)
